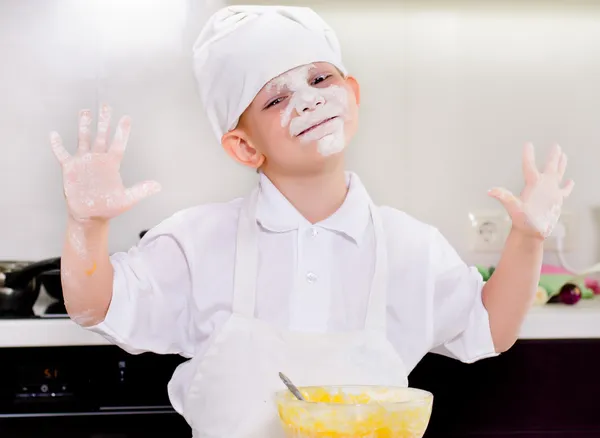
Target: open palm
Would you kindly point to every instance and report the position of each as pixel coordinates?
(538, 209)
(92, 181)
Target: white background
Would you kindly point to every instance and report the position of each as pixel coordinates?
(450, 92)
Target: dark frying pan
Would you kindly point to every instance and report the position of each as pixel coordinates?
(52, 283)
(20, 287)
(18, 301)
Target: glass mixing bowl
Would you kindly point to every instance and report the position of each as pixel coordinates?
(355, 412)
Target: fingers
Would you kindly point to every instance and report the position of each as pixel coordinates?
(84, 133)
(141, 191)
(119, 143)
(562, 166)
(510, 202)
(568, 188)
(553, 160)
(59, 150)
(102, 136)
(530, 171)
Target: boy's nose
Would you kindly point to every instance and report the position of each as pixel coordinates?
(309, 101)
(308, 108)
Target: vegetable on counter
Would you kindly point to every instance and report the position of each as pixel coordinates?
(569, 294)
(556, 286)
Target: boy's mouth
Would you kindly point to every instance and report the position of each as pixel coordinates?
(317, 125)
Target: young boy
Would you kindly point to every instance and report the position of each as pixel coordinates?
(305, 275)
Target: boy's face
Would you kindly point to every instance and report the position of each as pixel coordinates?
(299, 121)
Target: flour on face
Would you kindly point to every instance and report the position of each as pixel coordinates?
(313, 113)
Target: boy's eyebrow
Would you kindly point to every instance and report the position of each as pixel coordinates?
(277, 85)
(269, 92)
(271, 87)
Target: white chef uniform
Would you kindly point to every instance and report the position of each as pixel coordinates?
(174, 293)
(250, 288)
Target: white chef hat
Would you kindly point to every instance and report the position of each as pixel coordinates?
(241, 48)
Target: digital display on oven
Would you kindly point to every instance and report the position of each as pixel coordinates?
(83, 380)
(43, 381)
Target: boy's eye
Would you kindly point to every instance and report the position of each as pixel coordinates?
(275, 102)
(320, 78)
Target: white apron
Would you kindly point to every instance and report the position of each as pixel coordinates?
(232, 391)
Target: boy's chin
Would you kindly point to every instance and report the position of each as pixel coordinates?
(325, 148)
(321, 159)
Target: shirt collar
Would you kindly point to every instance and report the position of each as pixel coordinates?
(276, 214)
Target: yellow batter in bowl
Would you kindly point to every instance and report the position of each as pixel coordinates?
(355, 412)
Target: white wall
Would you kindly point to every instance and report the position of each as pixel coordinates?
(450, 92)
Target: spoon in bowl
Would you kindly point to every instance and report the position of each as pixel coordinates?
(293, 389)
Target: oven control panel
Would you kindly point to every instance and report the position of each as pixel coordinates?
(63, 380)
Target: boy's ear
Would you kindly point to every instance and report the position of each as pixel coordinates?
(353, 83)
(239, 147)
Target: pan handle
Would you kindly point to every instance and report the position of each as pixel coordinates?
(20, 278)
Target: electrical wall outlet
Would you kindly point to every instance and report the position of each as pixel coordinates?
(569, 220)
(488, 231)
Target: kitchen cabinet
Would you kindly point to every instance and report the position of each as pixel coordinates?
(539, 388)
(546, 386)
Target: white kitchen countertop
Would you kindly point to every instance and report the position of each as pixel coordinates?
(560, 321)
(552, 321)
(46, 333)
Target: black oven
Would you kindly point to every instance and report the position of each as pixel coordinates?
(86, 392)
